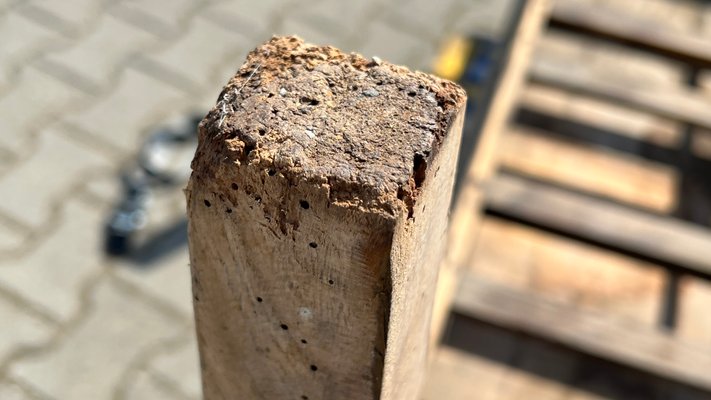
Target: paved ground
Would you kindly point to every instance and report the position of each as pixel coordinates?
(81, 84)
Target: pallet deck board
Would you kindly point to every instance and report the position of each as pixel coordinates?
(681, 104)
(654, 238)
(616, 175)
(633, 345)
(617, 27)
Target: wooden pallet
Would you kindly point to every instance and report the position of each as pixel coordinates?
(594, 244)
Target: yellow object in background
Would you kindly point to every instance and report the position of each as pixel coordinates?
(453, 58)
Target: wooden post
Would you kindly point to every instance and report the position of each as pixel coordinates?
(317, 214)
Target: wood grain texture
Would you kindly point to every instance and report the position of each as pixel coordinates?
(633, 345)
(655, 238)
(318, 210)
(616, 26)
(604, 172)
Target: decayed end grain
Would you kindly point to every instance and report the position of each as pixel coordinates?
(362, 128)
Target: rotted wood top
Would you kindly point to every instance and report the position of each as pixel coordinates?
(365, 128)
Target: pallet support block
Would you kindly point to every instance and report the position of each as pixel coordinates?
(317, 210)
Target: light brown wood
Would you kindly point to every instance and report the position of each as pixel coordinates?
(466, 208)
(614, 25)
(662, 239)
(600, 115)
(318, 211)
(600, 171)
(681, 104)
(559, 268)
(633, 345)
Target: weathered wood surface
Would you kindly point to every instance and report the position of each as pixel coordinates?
(483, 163)
(318, 211)
(556, 107)
(634, 345)
(649, 237)
(599, 171)
(680, 104)
(615, 26)
(559, 268)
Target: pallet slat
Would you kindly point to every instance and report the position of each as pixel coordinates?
(651, 238)
(596, 170)
(632, 345)
(679, 104)
(629, 30)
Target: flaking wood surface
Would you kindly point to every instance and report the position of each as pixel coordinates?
(317, 211)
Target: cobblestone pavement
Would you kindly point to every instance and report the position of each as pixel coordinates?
(82, 83)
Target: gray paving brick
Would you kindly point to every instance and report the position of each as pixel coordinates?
(252, 18)
(121, 118)
(312, 34)
(51, 276)
(73, 16)
(181, 367)
(33, 187)
(161, 17)
(423, 18)
(34, 99)
(97, 57)
(91, 358)
(145, 386)
(198, 53)
(11, 391)
(10, 238)
(161, 266)
(27, 329)
(22, 38)
(336, 18)
(482, 17)
(389, 44)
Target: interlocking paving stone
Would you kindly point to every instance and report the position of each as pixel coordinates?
(252, 18)
(73, 16)
(21, 39)
(160, 264)
(196, 55)
(10, 238)
(424, 18)
(145, 386)
(159, 17)
(90, 359)
(481, 17)
(389, 43)
(180, 366)
(33, 187)
(51, 276)
(336, 18)
(27, 330)
(101, 53)
(34, 99)
(11, 391)
(122, 117)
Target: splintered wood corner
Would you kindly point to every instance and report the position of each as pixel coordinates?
(317, 214)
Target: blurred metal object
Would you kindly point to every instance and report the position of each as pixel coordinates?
(163, 160)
